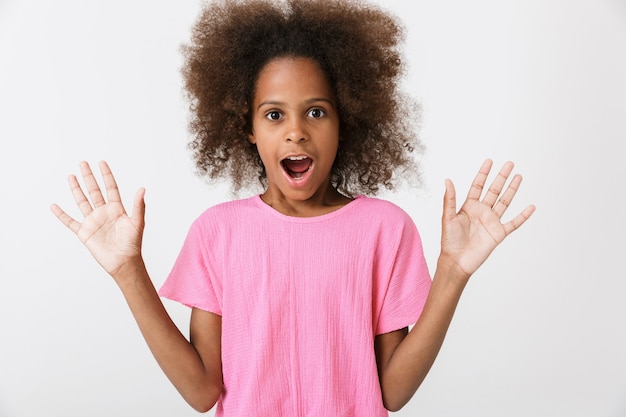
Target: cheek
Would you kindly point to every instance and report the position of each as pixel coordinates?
(264, 153)
(334, 142)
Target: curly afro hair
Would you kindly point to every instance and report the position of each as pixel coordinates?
(355, 44)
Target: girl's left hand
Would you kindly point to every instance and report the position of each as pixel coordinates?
(471, 234)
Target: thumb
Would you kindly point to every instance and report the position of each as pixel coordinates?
(139, 208)
(449, 201)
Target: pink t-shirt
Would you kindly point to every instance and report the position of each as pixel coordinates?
(301, 301)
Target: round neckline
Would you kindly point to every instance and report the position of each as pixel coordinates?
(322, 217)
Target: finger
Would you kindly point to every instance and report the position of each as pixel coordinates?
(139, 208)
(498, 184)
(479, 181)
(68, 221)
(505, 200)
(519, 220)
(81, 200)
(449, 201)
(92, 185)
(113, 193)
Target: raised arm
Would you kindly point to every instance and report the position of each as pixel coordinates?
(114, 239)
(468, 238)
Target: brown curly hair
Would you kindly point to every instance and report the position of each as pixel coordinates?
(355, 44)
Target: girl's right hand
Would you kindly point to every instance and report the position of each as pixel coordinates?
(112, 237)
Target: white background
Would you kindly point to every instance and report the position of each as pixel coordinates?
(541, 328)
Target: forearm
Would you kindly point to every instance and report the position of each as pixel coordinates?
(199, 385)
(469, 236)
(413, 357)
(114, 239)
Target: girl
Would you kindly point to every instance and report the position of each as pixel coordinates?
(302, 296)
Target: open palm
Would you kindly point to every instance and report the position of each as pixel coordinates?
(112, 237)
(472, 233)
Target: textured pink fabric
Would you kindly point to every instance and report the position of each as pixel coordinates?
(301, 301)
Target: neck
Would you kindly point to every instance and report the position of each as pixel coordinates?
(322, 202)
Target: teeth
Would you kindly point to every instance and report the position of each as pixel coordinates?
(296, 158)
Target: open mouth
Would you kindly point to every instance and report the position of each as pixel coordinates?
(296, 166)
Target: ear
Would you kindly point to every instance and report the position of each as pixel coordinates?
(251, 137)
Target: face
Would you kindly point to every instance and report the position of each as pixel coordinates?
(295, 126)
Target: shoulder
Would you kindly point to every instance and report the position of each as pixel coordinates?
(379, 209)
(387, 221)
(378, 203)
(229, 209)
(226, 215)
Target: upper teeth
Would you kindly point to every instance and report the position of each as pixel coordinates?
(296, 158)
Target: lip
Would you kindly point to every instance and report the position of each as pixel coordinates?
(297, 155)
(304, 180)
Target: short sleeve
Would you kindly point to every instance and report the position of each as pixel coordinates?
(404, 281)
(193, 280)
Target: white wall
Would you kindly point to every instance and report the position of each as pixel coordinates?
(541, 328)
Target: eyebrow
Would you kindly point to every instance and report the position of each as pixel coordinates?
(309, 101)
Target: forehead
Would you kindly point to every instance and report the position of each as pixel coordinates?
(292, 76)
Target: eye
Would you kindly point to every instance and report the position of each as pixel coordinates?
(273, 115)
(316, 113)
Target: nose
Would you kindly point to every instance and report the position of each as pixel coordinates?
(296, 131)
